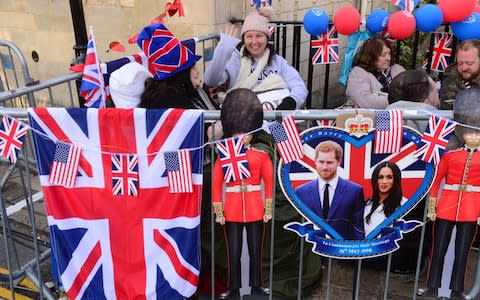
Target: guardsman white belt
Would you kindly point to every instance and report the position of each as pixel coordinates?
(243, 188)
(462, 187)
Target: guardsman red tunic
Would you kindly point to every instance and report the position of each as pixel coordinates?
(243, 199)
(460, 196)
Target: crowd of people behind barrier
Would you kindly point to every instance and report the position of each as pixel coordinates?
(375, 82)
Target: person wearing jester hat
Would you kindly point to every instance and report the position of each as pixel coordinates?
(253, 64)
(243, 205)
(176, 81)
(458, 205)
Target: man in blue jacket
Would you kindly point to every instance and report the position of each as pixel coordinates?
(338, 201)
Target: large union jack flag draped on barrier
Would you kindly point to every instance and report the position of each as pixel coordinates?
(120, 246)
(441, 53)
(325, 49)
(92, 88)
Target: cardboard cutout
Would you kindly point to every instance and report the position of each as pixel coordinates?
(457, 206)
(356, 165)
(237, 191)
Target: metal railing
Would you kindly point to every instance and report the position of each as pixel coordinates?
(25, 171)
(356, 289)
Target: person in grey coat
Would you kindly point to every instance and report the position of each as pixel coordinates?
(373, 71)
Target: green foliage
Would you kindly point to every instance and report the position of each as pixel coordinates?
(406, 50)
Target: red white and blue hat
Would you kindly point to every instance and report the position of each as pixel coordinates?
(166, 54)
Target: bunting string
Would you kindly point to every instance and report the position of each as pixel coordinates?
(46, 137)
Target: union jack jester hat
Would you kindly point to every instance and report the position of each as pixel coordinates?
(166, 54)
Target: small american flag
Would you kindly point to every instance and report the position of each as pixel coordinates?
(388, 131)
(179, 170)
(435, 139)
(233, 159)
(65, 164)
(287, 138)
(92, 88)
(12, 134)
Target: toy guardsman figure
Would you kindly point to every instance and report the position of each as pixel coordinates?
(243, 206)
(459, 203)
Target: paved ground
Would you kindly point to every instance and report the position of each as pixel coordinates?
(373, 283)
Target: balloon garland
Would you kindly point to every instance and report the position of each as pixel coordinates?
(464, 19)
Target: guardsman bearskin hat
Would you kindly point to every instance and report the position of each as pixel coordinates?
(466, 110)
(241, 112)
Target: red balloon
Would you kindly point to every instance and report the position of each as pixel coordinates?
(477, 8)
(401, 25)
(456, 11)
(347, 20)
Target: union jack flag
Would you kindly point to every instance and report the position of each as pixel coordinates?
(233, 159)
(92, 88)
(435, 139)
(441, 53)
(125, 174)
(259, 3)
(388, 131)
(12, 134)
(107, 246)
(332, 123)
(325, 49)
(65, 164)
(408, 5)
(179, 171)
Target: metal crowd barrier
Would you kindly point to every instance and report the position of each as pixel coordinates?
(31, 268)
(23, 174)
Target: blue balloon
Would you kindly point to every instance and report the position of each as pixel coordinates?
(315, 21)
(467, 29)
(428, 17)
(377, 20)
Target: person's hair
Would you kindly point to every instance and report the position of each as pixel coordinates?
(395, 195)
(241, 112)
(468, 44)
(367, 56)
(328, 146)
(411, 85)
(155, 90)
(269, 46)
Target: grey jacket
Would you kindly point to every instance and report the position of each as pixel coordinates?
(225, 65)
(364, 90)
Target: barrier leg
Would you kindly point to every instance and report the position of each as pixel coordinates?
(476, 287)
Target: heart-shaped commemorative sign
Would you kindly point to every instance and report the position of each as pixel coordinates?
(357, 165)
